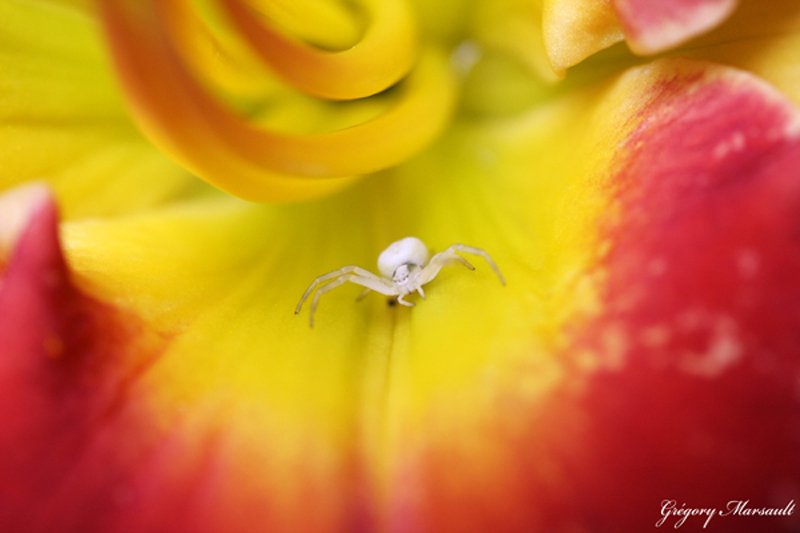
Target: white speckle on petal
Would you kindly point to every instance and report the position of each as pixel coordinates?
(747, 263)
(616, 344)
(792, 129)
(17, 205)
(672, 31)
(655, 336)
(733, 143)
(486, 158)
(657, 267)
(465, 56)
(691, 320)
(724, 350)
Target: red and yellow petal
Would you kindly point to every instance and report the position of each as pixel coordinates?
(67, 400)
(700, 313)
(673, 375)
(397, 419)
(745, 35)
(762, 41)
(569, 31)
(113, 422)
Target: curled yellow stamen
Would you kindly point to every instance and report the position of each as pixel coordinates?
(186, 120)
(383, 56)
(219, 60)
(330, 24)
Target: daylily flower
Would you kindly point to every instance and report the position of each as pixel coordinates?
(176, 172)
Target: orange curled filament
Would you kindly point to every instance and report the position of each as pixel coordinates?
(182, 75)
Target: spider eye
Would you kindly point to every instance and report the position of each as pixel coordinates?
(403, 252)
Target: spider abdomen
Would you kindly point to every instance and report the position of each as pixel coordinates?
(408, 251)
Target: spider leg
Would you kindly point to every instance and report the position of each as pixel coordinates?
(462, 261)
(446, 256)
(363, 294)
(431, 270)
(403, 302)
(477, 251)
(329, 276)
(371, 282)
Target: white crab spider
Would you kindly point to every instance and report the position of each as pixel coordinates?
(405, 269)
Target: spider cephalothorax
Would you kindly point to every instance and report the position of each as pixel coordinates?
(404, 268)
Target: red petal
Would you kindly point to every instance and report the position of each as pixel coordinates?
(686, 385)
(66, 361)
(655, 26)
(700, 399)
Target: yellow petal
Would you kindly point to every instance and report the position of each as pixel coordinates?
(576, 29)
(62, 120)
(515, 27)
